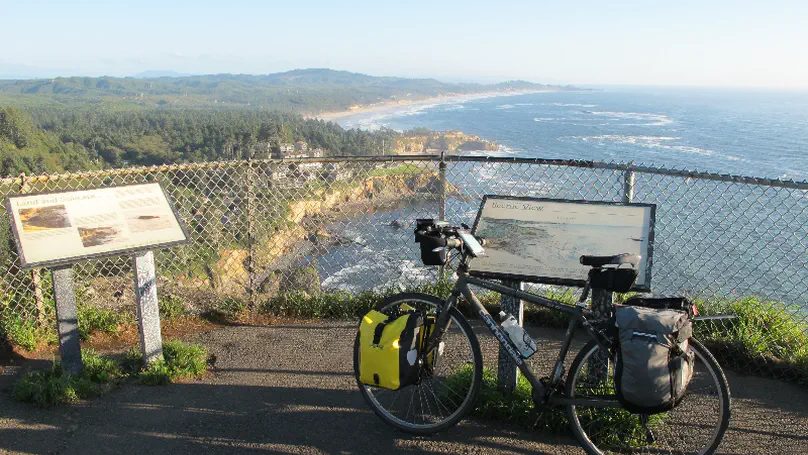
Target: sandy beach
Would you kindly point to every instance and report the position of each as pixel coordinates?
(388, 106)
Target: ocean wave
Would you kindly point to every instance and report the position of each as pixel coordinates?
(569, 104)
(504, 106)
(648, 118)
(549, 119)
(502, 151)
(354, 278)
(654, 142)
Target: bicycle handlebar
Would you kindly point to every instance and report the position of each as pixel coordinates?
(452, 241)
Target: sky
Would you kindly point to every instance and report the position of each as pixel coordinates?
(692, 43)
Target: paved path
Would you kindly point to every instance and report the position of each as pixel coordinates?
(289, 389)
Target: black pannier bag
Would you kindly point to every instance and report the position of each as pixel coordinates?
(663, 303)
(613, 279)
(654, 363)
(429, 238)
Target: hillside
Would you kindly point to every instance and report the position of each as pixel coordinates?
(301, 91)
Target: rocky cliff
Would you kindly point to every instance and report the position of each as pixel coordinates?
(432, 142)
(230, 275)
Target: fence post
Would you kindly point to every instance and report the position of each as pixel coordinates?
(36, 283)
(442, 174)
(442, 201)
(250, 195)
(628, 183)
(507, 371)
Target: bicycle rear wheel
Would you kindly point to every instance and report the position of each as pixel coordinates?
(444, 395)
(695, 426)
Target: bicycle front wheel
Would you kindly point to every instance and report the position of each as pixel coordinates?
(695, 426)
(446, 392)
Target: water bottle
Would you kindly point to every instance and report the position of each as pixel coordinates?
(519, 337)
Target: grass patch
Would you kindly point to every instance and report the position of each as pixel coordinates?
(764, 333)
(225, 310)
(103, 373)
(53, 387)
(93, 319)
(25, 332)
(171, 307)
(332, 305)
(621, 428)
(180, 360)
(405, 169)
(492, 404)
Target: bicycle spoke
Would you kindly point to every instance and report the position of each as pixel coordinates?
(438, 401)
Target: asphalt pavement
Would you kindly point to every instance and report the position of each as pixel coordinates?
(289, 388)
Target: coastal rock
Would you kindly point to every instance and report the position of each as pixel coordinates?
(425, 141)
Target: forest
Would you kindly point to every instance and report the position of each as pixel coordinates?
(80, 123)
(58, 139)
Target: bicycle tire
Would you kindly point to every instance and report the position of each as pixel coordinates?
(476, 373)
(715, 372)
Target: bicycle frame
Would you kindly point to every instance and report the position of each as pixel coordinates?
(578, 315)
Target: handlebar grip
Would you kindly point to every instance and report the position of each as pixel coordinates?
(454, 243)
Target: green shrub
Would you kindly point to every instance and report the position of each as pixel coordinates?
(517, 407)
(93, 319)
(100, 369)
(762, 330)
(225, 310)
(332, 305)
(180, 360)
(171, 307)
(53, 387)
(25, 332)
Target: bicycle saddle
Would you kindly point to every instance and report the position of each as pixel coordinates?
(598, 261)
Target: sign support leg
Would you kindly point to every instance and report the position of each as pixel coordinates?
(67, 322)
(602, 307)
(507, 371)
(148, 312)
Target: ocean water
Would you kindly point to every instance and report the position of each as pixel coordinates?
(747, 132)
(710, 238)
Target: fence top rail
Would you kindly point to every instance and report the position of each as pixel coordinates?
(632, 167)
(639, 168)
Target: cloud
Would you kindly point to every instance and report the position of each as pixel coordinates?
(178, 55)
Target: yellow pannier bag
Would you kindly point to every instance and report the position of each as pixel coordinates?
(388, 350)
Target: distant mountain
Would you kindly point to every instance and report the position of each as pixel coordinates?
(159, 73)
(302, 90)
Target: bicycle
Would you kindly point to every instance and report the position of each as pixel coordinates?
(449, 384)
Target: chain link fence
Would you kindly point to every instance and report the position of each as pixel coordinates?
(260, 229)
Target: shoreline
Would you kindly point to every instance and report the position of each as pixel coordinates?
(391, 106)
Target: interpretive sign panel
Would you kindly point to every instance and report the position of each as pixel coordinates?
(54, 229)
(542, 240)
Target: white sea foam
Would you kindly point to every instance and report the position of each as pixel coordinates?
(569, 104)
(647, 118)
(454, 107)
(549, 119)
(504, 106)
(653, 142)
(354, 278)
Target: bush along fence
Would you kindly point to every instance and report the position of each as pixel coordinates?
(327, 237)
